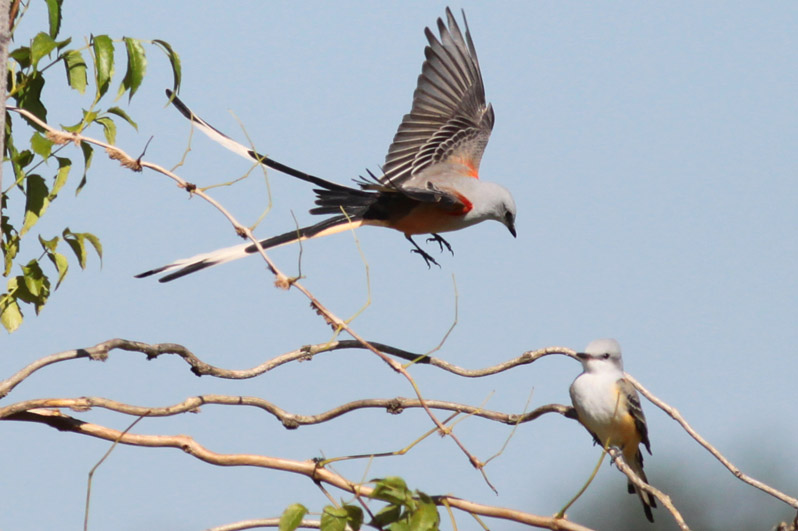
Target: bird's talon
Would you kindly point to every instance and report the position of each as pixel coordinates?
(427, 258)
(437, 238)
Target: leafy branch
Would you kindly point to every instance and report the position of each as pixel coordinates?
(27, 67)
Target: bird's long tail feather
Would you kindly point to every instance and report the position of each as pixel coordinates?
(648, 501)
(190, 265)
(248, 153)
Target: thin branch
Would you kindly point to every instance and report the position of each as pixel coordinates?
(263, 522)
(62, 137)
(617, 457)
(308, 468)
(100, 351)
(94, 469)
(675, 415)
(288, 420)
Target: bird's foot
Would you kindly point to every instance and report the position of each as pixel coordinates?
(437, 238)
(427, 258)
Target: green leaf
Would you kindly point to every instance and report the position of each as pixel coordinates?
(61, 265)
(122, 114)
(425, 518)
(36, 201)
(49, 245)
(292, 517)
(354, 516)
(109, 128)
(59, 260)
(64, 165)
(41, 145)
(103, 62)
(42, 45)
(174, 59)
(10, 245)
(78, 244)
(333, 519)
(10, 238)
(29, 97)
(64, 43)
(88, 153)
(95, 242)
(136, 67)
(387, 516)
(89, 116)
(10, 314)
(35, 281)
(393, 490)
(22, 56)
(76, 70)
(32, 286)
(23, 158)
(77, 241)
(54, 16)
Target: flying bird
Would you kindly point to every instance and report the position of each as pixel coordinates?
(430, 182)
(609, 407)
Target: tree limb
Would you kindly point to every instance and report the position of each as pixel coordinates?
(308, 468)
(289, 420)
(675, 415)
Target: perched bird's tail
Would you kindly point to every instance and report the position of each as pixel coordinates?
(635, 461)
(186, 266)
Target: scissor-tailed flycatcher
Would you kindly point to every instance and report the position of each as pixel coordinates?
(430, 178)
(609, 407)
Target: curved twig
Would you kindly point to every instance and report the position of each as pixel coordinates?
(63, 137)
(263, 522)
(308, 468)
(99, 352)
(289, 420)
(617, 458)
(675, 415)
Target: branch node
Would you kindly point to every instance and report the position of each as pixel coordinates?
(395, 407)
(123, 158)
(284, 282)
(61, 137)
(290, 423)
(99, 353)
(320, 311)
(78, 407)
(190, 187)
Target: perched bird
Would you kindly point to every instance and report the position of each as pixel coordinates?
(609, 407)
(430, 178)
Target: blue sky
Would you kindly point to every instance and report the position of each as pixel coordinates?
(652, 150)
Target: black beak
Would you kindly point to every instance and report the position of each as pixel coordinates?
(511, 228)
(583, 355)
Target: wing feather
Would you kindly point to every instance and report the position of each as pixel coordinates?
(449, 119)
(633, 401)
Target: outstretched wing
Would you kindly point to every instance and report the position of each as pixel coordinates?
(636, 410)
(450, 120)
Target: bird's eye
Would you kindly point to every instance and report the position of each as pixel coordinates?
(606, 355)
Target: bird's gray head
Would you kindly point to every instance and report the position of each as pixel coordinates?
(498, 204)
(601, 355)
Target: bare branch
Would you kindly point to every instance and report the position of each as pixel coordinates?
(308, 468)
(289, 420)
(99, 352)
(675, 415)
(617, 457)
(337, 324)
(263, 522)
